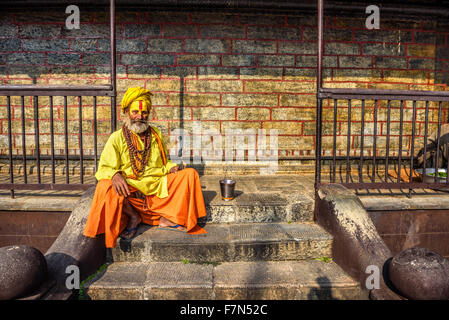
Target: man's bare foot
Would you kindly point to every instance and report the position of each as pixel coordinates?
(164, 222)
(131, 228)
(134, 220)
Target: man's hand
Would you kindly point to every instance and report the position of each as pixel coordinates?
(174, 169)
(120, 185)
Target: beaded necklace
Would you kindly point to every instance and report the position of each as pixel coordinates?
(138, 158)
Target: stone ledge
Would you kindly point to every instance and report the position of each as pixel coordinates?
(43, 203)
(227, 242)
(287, 280)
(416, 202)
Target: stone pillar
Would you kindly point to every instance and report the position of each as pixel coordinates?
(357, 244)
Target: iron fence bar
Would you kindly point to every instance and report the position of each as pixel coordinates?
(366, 158)
(320, 45)
(412, 146)
(388, 139)
(426, 131)
(66, 140)
(36, 90)
(113, 115)
(348, 142)
(371, 94)
(24, 161)
(320, 16)
(375, 140)
(447, 157)
(391, 185)
(11, 169)
(437, 164)
(80, 112)
(52, 142)
(95, 133)
(318, 142)
(113, 65)
(36, 135)
(362, 140)
(45, 186)
(401, 122)
(334, 145)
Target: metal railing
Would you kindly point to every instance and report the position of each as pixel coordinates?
(375, 178)
(51, 92)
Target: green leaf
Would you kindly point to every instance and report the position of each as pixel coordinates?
(324, 259)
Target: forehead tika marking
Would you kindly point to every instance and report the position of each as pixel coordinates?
(140, 105)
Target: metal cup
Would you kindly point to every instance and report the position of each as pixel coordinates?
(227, 189)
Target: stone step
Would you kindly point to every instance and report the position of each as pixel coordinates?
(260, 199)
(226, 242)
(258, 207)
(272, 280)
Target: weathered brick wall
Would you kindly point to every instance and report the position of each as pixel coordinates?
(228, 71)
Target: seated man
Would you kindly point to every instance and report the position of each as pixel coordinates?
(138, 183)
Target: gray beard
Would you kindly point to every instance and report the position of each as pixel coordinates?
(136, 126)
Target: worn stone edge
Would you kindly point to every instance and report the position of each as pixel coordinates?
(433, 202)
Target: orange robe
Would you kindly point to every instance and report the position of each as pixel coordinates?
(183, 205)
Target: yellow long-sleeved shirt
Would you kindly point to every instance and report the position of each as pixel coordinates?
(115, 158)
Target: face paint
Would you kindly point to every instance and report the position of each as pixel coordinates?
(139, 106)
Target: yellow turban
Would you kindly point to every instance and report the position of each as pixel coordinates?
(136, 94)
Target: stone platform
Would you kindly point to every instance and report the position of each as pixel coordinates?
(288, 197)
(271, 198)
(264, 244)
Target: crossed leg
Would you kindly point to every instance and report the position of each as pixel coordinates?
(134, 220)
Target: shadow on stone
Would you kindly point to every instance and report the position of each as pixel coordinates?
(386, 277)
(72, 248)
(324, 292)
(126, 244)
(209, 196)
(237, 193)
(57, 272)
